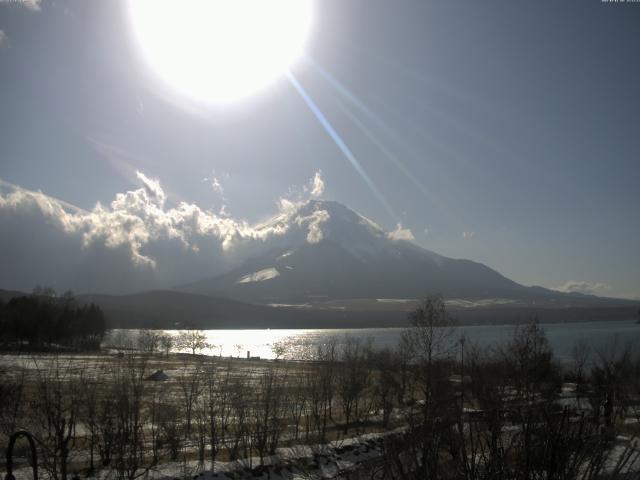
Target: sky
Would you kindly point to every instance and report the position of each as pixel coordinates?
(503, 132)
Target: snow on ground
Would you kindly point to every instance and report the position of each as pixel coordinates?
(395, 300)
(486, 302)
(309, 462)
(260, 276)
(290, 305)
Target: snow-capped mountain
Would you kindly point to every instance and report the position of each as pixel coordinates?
(328, 251)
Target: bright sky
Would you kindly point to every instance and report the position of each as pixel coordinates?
(503, 132)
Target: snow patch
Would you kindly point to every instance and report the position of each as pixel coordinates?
(290, 305)
(395, 300)
(260, 276)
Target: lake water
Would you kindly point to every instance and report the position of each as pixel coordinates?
(300, 343)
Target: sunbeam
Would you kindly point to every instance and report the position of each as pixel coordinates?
(382, 125)
(397, 162)
(341, 144)
(359, 104)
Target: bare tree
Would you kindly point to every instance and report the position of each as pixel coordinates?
(580, 355)
(12, 406)
(238, 438)
(106, 426)
(190, 383)
(148, 341)
(321, 385)
(611, 378)
(221, 413)
(353, 378)
(267, 412)
(171, 428)
(279, 349)
(532, 370)
(431, 333)
(297, 400)
(129, 394)
(194, 340)
(55, 413)
(123, 339)
(90, 396)
(167, 342)
(386, 384)
(430, 342)
(214, 408)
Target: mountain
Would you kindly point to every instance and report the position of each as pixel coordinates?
(166, 309)
(322, 265)
(328, 251)
(173, 310)
(6, 295)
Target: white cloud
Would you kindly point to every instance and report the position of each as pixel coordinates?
(215, 184)
(314, 224)
(152, 186)
(3, 37)
(135, 242)
(316, 187)
(468, 234)
(296, 196)
(30, 4)
(587, 288)
(401, 234)
(140, 240)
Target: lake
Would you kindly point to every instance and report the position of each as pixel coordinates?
(299, 343)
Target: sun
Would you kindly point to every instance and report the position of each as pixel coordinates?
(220, 50)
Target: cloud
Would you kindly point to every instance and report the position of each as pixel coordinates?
(296, 196)
(314, 224)
(587, 288)
(401, 234)
(317, 185)
(152, 186)
(215, 184)
(136, 241)
(3, 38)
(468, 234)
(33, 5)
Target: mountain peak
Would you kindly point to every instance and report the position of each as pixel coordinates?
(314, 221)
(334, 209)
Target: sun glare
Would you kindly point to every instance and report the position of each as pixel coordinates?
(220, 50)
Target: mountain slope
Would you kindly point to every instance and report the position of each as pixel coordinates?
(330, 251)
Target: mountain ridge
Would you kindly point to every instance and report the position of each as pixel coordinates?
(331, 251)
(329, 267)
(168, 309)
